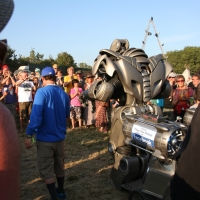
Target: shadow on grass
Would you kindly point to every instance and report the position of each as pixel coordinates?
(87, 169)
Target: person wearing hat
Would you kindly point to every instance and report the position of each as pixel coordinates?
(37, 73)
(80, 78)
(168, 108)
(5, 69)
(89, 115)
(6, 72)
(50, 110)
(24, 89)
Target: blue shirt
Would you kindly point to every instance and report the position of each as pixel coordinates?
(11, 96)
(51, 108)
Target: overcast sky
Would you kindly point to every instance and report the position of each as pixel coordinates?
(83, 27)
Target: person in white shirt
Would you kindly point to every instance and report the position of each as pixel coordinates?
(24, 90)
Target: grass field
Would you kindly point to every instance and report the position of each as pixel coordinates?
(87, 169)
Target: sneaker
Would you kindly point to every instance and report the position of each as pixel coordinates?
(61, 195)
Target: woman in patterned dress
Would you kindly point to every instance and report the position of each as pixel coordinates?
(101, 116)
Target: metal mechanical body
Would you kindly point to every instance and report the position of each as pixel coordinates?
(143, 144)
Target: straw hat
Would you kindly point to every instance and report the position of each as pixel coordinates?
(22, 69)
(89, 75)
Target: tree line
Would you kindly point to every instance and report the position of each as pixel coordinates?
(188, 57)
(36, 59)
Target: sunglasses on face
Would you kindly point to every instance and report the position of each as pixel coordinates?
(180, 81)
(55, 68)
(171, 77)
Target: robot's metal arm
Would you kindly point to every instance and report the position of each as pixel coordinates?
(139, 78)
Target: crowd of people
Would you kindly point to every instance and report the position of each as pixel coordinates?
(45, 104)
(18, 89)
(182, 96)
(36, 111)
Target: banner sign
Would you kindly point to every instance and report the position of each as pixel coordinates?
(144, 134)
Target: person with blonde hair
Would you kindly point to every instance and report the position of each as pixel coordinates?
(68, 80)
(55, 67)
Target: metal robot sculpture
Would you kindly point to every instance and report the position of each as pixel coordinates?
(143, 144)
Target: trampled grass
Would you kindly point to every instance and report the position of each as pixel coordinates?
(87, 169)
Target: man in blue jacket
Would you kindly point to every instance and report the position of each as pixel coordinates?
(49, 113)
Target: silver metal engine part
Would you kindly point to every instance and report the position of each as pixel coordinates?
(163, 140)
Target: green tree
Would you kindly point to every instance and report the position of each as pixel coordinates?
(84, 65)
(23, 60)
(189, 56)
(50, 61)
(65, 59)
(35, 58)
(11, 59)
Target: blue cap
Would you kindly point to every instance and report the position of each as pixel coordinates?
(48, 71)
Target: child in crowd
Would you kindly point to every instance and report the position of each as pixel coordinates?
(75, 113)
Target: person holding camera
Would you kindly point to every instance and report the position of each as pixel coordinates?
(75, 113)
(5, 71)
(68, 80)
(37, 85)
(25, 89)
(59, 79)
(8, 91)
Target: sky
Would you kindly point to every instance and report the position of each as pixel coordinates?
(84, 27)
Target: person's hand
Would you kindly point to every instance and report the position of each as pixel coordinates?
(8, 73)
(27, 143)
(171, 82)
(5, 93)
(78, 93)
